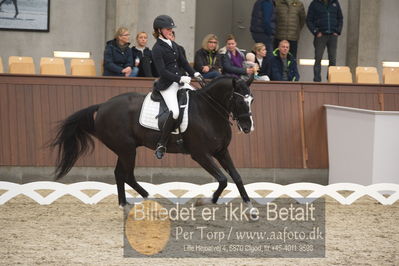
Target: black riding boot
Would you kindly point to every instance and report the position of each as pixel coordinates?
(165, 133)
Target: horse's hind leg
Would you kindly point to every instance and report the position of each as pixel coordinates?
(128, 162)
(120, 178)
(124, 173)
(210, 166)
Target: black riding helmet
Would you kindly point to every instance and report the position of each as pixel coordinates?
(163, 21)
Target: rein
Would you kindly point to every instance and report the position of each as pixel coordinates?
(220, 109)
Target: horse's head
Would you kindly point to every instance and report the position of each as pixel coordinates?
(241, 107)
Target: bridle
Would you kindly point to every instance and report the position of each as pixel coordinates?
(248, 99)
(223, 111)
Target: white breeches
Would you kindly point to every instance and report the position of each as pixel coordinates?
(170, 97)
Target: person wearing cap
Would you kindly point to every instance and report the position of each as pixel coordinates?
(168, 60)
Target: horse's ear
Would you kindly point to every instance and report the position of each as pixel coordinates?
(249, 81)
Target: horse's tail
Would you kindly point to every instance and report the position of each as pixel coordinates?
(73, 139)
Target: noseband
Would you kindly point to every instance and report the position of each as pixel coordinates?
(247, 98)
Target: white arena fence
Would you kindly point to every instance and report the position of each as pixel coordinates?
(384, 193)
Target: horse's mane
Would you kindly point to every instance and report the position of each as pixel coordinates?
(216, 80)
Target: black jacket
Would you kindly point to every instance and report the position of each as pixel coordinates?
(146, 66)
(276, 72)
(116, 59)
(323, 18)
(265, 68)
(167, 61)
(202, 58)
(263, 17)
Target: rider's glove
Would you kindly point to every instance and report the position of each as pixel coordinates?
(185, 79)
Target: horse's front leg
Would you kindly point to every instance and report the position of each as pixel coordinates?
(226, 162)
(16, 8)
(207, 162)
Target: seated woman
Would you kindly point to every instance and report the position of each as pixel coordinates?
(142, 57)
(263, 61)
(233, 58)
(118, 59)
(207, 59)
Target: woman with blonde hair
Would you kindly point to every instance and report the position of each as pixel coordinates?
(263, 61)
(118, 59)
(142, 57)
(207, 59)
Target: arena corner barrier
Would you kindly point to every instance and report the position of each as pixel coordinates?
(375, 191)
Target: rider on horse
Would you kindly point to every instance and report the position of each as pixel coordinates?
(168, 60)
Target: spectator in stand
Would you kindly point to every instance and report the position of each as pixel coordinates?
(118, 60)
(263, 22)
(283, 64)
(263, 61)
(142, 57)
(325, 22)
(233, 58)
(291, 18)
(207, 59)
(250, 62)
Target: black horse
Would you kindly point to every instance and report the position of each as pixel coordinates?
(15, 5)
(116, 125)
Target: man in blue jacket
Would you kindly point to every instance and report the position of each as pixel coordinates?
(263, 23)
(325, 22)
(283, 64)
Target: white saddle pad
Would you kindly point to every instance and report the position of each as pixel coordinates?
(150, 110)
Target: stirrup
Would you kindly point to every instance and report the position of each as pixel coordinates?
(160, 151)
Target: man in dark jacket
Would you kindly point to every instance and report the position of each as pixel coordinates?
(325, 22)
(283, 64)
(263, 23)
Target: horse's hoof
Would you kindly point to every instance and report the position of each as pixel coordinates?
(203, 201)
(160, 151)
(123, 205)
(254, 214)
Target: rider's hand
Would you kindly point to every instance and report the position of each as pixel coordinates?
(198, 75)
(185, 79)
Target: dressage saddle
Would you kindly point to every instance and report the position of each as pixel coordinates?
(164, 110)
